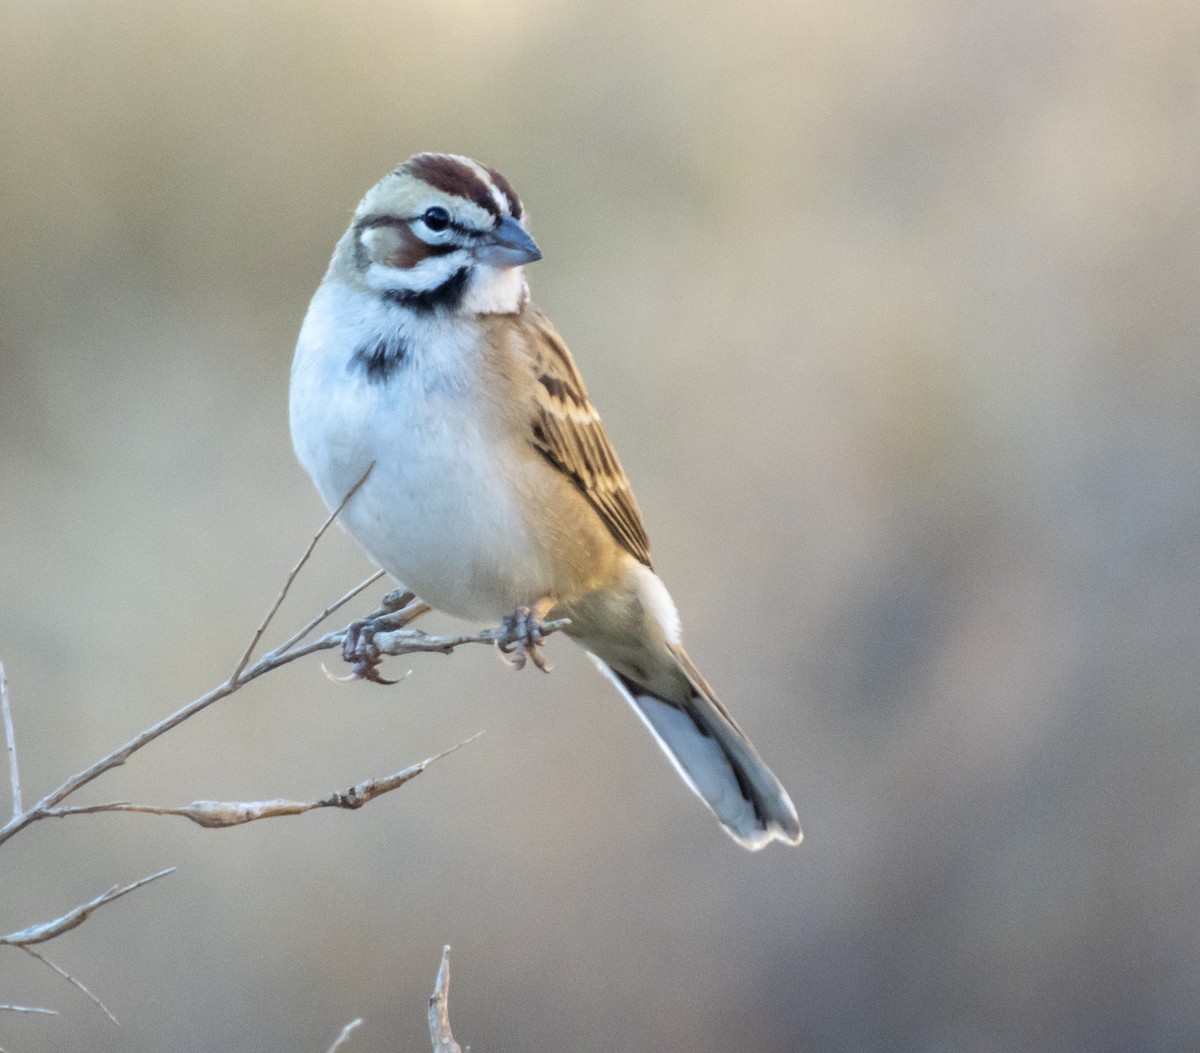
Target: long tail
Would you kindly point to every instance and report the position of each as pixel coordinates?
(715, 758)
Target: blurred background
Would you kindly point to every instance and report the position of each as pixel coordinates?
(892, 313)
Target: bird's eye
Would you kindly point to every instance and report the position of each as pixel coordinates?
(436, 218)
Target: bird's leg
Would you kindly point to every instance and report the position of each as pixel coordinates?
(359, 649)
(522, 635)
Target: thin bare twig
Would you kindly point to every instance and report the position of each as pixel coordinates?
(413, 641)
(10, 742)
(49, 929)
(217, 814)
(113, 760)
(405, 641)
(22, 819)
(439, 1010)
(399, 609)
(73, 918)
(294, 571)
(300, 634)
(75, 983)
(399, 642)
(345, 1034)
(27, 1009)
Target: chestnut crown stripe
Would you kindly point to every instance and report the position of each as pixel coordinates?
(453, 176)
(505, 187)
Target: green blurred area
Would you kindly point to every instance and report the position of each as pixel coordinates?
(891, 311)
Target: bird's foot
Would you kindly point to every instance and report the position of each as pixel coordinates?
(359, 647)
(360, 651)
(521, 637)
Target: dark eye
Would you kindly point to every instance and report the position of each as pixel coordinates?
(436, 218)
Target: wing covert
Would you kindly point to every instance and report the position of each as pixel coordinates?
(568, 432)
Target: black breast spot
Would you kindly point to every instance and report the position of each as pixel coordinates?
(379, 359)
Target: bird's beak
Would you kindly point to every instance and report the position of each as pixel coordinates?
(507, 246)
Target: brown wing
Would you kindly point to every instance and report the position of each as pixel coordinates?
(568, 432)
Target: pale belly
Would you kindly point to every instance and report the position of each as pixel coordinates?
(449, 530)
(439, 509)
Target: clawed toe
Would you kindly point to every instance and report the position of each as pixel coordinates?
(522, 639)
(359, 648)
(360, 651)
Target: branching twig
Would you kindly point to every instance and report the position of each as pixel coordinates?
(72, 981)
(49, 929)
(439, 1010)
(345, 1034)
(399, 642)
(10, 742)
(301, 633)
(262, 628)
(393, 637)
(216, 814)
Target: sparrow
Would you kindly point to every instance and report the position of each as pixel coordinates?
(492, 491)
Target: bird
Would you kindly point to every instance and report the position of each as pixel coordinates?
(492, 491)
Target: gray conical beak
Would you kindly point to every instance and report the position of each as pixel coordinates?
(507, 246)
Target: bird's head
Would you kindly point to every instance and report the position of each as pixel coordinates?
(439, 233)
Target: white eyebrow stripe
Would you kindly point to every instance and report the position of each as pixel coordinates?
(486, 177)
(499, 198)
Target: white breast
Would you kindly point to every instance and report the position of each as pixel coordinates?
(437, 510)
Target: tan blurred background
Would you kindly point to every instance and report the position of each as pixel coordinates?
(892, 313)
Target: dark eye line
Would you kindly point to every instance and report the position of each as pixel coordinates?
(450, 225)
(406, 221)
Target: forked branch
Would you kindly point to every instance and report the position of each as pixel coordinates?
(397, 610)
(393, 637)
(47, 930)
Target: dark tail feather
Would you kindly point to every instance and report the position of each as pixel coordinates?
(715, 758)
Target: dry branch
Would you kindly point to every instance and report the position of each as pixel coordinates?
(47, 930)
(391, 637)
(287, 584)
(10, 742)
(303, 631)
(72, 981)
(217, 814)
(396, 642)
(345, 1034)
(439, 1010)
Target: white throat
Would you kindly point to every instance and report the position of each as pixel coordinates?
(494, 291)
